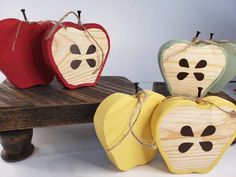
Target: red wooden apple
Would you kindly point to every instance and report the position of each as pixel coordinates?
(21, 59)
(76, 54)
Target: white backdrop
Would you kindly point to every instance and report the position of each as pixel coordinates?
(137, 28)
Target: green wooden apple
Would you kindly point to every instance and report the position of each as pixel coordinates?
(191, 69)
(230, 71)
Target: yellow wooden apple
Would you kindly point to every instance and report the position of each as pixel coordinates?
(193, 136)
(112, 121)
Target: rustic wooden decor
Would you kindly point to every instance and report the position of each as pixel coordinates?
(16, 144)
(21, 58)
(76, 53)
(230, 70)
(21, 110)
(122, 124)
(227, 93)
(193, 136)
(191, 69)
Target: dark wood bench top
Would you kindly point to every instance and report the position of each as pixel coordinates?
(53, 104)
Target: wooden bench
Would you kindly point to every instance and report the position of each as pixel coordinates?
(21, 110)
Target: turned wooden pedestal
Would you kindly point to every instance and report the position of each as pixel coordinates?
(16, 144)
(21, 110)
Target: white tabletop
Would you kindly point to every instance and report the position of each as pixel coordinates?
(74, 151)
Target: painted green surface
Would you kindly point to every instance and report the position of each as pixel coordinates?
(223, 78)
(230, 71)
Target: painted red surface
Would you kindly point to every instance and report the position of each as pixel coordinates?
(24, 65)
(47, 50)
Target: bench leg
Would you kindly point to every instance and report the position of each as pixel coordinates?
(16, 144)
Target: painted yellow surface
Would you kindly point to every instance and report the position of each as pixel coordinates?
(112, 123)
(175, 113)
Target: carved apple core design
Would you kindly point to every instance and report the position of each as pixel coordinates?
(196, 135)
(191, 70)
(77, 56)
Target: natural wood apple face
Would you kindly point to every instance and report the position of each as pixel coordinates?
(77, 55)
(191, 137)
(194, 70)
(111, 122)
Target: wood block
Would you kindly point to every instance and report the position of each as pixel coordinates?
(77, 54)
(192, 136)
(228, 93)
(191, 70)
(122, 125)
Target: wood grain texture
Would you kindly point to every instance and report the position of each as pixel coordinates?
(53, 104)
(193, 136)
(160, 87)
(198, 120)
(194, 75)
(16, 145)
(112, 122)
(63, 56)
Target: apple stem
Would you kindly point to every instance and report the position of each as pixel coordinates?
(23, 12)
(136, 87)
(197, 34)
(211, 36)
(195, 39)
(199, 92)
(79, 13)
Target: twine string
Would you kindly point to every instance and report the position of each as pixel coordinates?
(59, 22)
(51, 21)
(133, 119)
(16, 36)
(193, 42)
(232, 114)
(19, 28)
(141, 101)
(85, 31)
(202, 101)
(100, 65)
